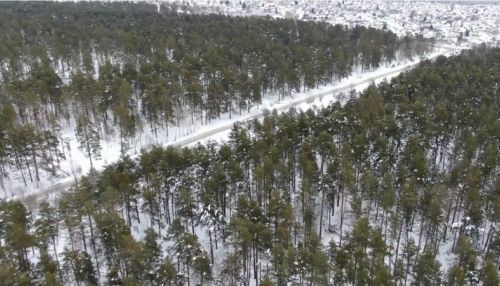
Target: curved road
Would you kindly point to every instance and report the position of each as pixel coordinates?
(31, 200)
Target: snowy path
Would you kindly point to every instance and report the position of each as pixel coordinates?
(325, 95)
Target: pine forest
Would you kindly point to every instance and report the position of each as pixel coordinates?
(398, 185)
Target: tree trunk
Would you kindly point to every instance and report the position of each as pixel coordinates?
(211, 247)
(321, 212)
(397, 245)
(341, 218)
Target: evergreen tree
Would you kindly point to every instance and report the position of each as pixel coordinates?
(79, 265)
(490, 273)
(427, 269)
(89, 139)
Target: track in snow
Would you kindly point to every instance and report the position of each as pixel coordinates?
(32, 199)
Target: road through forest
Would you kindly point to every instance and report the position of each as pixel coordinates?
(32, 199)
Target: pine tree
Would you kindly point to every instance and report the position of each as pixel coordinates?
(231, 269)
(266, 281)
(152, 253)
(46, 229)
(202, 266)
(489, 273)
(16, 234)
(49, 270)
(79, 264)
(10, 275)
(186, 206)
(167, 274)
(88, 138)
(456, 276)
(427, 269)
